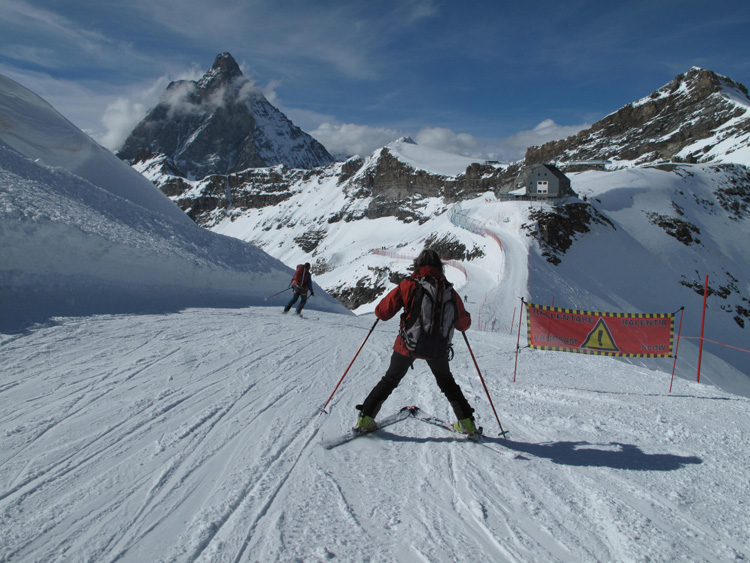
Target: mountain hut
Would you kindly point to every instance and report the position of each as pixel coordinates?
(543, 181)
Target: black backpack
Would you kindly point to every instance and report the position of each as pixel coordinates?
(428, 321)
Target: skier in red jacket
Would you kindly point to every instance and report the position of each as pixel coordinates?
(301, 284)
(427, 265)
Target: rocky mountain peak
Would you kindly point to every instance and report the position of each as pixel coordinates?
(701, 83)
(685, 120)
(697, 86)
(220, 125)
(224, 70)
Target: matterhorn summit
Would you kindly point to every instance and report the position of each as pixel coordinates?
(225, 70)
(220, 124)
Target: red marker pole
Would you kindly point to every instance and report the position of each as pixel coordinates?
(703, 326)
(518, 340)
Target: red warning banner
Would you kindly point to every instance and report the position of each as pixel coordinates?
(603, 334)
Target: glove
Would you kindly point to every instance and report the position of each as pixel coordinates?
(312, 293)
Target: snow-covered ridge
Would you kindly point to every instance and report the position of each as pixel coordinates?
(35, 129)
(433, 161)
(71, 246)
(686, 84)
(682, 222)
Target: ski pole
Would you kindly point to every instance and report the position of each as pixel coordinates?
(323, 410)
(279, 293)
(502, 432)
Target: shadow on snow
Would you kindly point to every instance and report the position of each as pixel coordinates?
(614, 455)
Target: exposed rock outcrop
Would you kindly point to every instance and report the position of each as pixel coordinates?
(682, 121)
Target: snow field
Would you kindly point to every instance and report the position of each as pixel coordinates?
(195, 436)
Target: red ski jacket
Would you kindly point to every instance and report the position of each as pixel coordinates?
(302, 281)
(398, 297)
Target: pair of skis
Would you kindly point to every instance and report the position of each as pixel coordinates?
(402, 414)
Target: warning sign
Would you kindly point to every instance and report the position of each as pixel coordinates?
(600, 339)
(609, 334)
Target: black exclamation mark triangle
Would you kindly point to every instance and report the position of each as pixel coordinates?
(600, 339)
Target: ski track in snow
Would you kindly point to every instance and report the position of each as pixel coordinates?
(196, 436)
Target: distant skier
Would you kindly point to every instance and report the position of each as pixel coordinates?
(443, 306)
(301, 284)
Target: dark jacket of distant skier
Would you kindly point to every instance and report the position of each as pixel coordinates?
(427, 267)
(301, 284)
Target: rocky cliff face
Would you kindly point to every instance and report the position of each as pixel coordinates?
(684, 121)
(397, 190)
(220, 124)
(374, 187)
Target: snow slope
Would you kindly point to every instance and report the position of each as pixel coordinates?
(195, 436)
(631, 265)
(430, 160)
(35, 129)
(72, 247)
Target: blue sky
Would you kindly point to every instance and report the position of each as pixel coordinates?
(479, 78)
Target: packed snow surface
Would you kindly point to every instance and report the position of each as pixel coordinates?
(196, 436)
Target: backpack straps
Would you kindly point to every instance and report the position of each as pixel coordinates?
(412, 311)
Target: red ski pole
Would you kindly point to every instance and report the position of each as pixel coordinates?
(502, 432)
(323, 410)
(279, 293)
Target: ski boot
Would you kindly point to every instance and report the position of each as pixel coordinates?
(365, 424)
(465, 426)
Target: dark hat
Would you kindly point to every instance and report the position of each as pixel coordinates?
(428, 257)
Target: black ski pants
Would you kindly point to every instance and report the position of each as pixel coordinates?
(293, 300)
(399, 366)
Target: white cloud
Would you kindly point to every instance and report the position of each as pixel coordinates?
(351, 139)
(446, 140)
(514, 147)
(123, 114)
(269, 91)
(24, 15)
(119, 119)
